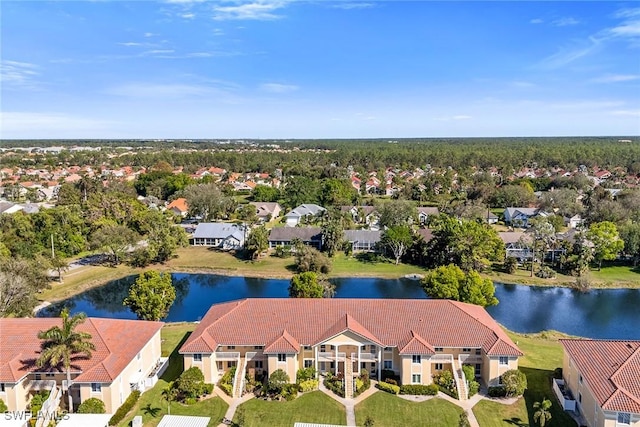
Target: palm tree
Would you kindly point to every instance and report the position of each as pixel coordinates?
(542, 415)
(63, 344)
(169, 393)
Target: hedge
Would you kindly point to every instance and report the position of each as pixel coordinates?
(92, 405)
(124, 409)
(227, 388)
(389, 388)
(308, 385)
(419, 389)
(498, 391)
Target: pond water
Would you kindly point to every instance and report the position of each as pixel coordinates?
(601, 313)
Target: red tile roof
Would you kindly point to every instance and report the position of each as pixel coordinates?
(179, 204)
(117, 343)
(284, 343)
(611, 370)
(388, 322)
(417, 345)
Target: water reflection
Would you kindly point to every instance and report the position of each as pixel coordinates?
(606, 313)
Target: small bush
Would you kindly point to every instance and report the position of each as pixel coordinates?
(227, 388)
(498, 391)
(124, 409)
(92, 405)
(362, 383)
(35, 405)
(308, 385)
(190, 401)
(390, 381)
(3, 406)
(290, 391)
(474, 386)
(546, 273)
(190, 384)
(419, 389)
(469, 372)
(334, 383)
(514, 382)
(306, 374)
(389, 388)
(277, 381)
(208, 388)
(388, 373)
(510, 264)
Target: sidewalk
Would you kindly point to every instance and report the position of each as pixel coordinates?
(233, 403)
(349, 404)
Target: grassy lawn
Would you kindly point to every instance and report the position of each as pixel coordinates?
(151, 405)
(543, 354)
(389, 410)
(314, 407)
(609, 277)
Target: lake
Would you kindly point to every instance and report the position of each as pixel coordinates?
(600, 313)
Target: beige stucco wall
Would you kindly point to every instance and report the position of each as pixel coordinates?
(492, 370)
(609, 419)
(409, 369)
(16, 396)
(290, 366)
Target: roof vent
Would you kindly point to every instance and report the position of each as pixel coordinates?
(420, 320)
(629, 345)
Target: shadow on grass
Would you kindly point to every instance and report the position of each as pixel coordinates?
(370, 258)
(539, 388)
(517, 422)
(176, 363)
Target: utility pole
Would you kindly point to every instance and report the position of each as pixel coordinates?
(53, 252)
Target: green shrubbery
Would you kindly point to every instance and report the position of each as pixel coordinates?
(389, 388)
(362, 383)
(514, 382)
(92, 405)
(446, 383)
(124, 409)
(498, 391)
(3, 406)
(308, 385)
(305, 374)
(190, 384)
(419, 389)
(470, 376)
(226, 382)
(334, 383)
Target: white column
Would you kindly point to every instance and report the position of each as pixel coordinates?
(379, 363)
(336, 371)
(315, 354)
(359, 364)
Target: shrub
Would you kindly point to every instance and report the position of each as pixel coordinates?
(510, 264)
(290, 391)
(557, 373)
(190, 384)
(469, 372)
(390, 381)
(334, 383)
(389, 388)
(546, 273)
(445, 380)
(498, 391)
(190, 401)
(514, 382)
(419, 389)
(207, 389)
(305, 374)
(362, 383)
(92, 405)
(124, 409)
(37, 400)
(3, 406)
(308, 385)
(277, 380)
(227, 388)
(388, 373)
(474, 386)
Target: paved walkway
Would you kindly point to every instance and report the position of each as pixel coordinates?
(233, 403)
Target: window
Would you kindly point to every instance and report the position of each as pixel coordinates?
(579, 397)
(38, 377)
(197, 357)
(580, 379)
(416, 379)
(477, 369)
(438, 349)
(96, 388)
(49, 375)
(416, 358)
(477, 352)
(231, 347)
(307, 347)
(138, 356)
(466, 350)
(2, 390)
(308, 363)
(500, 380)
(388, 364)
(504, 360)
(624, 418)
(258, 364)
(323, 347)
(282, 357)
(258, 347)
(388, 349)
(438, 367)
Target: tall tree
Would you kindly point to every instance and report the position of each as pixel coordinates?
(63, 344)
(264, 193)
(300, 190)
(450, 282)
(397, 239)
(258, 242)
(606, 241)
(20, 281)
(151, 296)
(208, 201)
(116, 239)
(332, 236)
(397, 212)
(337, 192)
(544, 238)
(309, 285)
(630, 234)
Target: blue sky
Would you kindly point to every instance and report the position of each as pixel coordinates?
(318, 69)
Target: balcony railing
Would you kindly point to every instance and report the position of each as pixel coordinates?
(41, 384)
(227, 355)
(442, 358)
(254, 355)
(365, 357)
(470, 358)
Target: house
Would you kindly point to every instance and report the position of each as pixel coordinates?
(575, 221)
(426, 234)
(492, 218)
(294, 217)
(127, 352)
(221, 235)
(363, 215)
(266, 211)
(517, 244)
(9, 208)
(519, 216)
(604, 381)
(362, 240)
(179, 207)
(424, 213)
(284, 236)
(414, 338)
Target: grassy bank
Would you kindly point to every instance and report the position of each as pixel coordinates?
(388, 410)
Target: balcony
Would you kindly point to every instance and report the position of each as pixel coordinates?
(365, 357)
(254, 355)
(330, 356)
(469, 358)
(442, 358)
(564, 395)
(227, 355)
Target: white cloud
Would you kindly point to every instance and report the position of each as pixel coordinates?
(626, 113)
(349, 6)
(218, 32)
(150, 34)
(449, 118)
(189, 15)
(566, 55)
(278, 88)
(19, 74)
(627, 29)
(257, 10)
(616, 78)
(131, 44)
(627, 13)
(536, 21)
(565, 22)
(185, 2)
